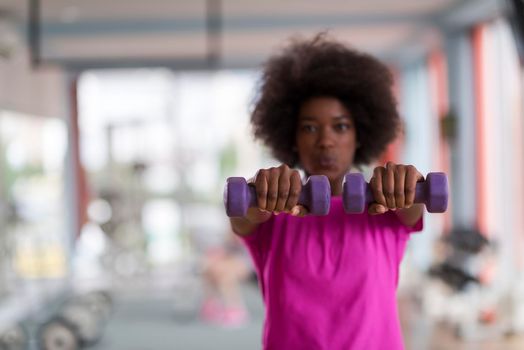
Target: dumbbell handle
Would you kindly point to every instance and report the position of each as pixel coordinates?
(433, 192)
(303, 198)
(239, 196)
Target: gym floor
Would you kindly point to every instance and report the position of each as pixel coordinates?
(149, 320)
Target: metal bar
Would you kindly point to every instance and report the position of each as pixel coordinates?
(214, 32)
(34, 33)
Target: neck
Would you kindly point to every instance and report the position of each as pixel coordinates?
(336, 187)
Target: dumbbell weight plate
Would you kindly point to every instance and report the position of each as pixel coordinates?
(437, 187)
(98, 302)
(355, 191)
(88, 326)
(58, 334)
(13, 338)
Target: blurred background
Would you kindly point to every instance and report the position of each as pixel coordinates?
(120, 121)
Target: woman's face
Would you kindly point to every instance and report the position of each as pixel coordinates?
(326, 139)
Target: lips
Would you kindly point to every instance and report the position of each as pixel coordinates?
(326, 162)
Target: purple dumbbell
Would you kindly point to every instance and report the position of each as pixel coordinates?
(433, 192)
(239, 196)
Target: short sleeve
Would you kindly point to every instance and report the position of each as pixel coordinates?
(402, 230)
(417, 227)
(403, 233)
(258, 234)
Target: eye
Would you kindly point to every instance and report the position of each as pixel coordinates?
(308, 128)
(342, 126)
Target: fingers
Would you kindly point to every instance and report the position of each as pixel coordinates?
(393, 187)
(375, 209)
(376, 186)
(388, 185)
(299, 211)
(400, 177)
(294, 191)
(410, 186)
(278, 189)
(272, 192)
(284, 184)
(261, 186)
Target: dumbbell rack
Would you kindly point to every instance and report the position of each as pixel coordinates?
(55, 313)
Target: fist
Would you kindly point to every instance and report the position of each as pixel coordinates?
(278, 190)
(393, 187)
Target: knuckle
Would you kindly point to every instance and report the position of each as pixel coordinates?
(272, 196)
(262, 173)
(399, 169)
(294, 193)
(283, 194)
(375, 187)
(261, 192)
(389, 194)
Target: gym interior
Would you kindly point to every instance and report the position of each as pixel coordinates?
(120, 122)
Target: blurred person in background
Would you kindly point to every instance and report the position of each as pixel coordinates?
(224, 268)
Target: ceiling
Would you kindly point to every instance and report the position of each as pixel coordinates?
(200, 34)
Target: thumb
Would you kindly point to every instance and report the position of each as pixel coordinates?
(299, 210)
(375, 209)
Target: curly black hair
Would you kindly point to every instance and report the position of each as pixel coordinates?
(320, 67)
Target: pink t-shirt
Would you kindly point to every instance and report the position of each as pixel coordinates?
(329, 282)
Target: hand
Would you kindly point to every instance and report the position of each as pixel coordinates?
(393, 187)
(278, 190)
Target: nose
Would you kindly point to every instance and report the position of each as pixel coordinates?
(326, 138)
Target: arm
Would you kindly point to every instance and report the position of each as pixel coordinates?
(410, 216)
(246, 225)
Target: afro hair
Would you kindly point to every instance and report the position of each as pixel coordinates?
(324, 67)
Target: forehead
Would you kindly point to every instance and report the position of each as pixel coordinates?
(323, 107)
(323, 110)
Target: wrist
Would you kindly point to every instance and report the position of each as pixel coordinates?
(257, 216)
